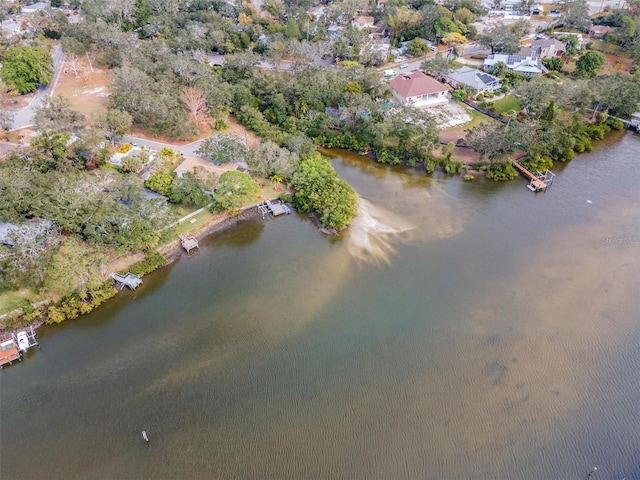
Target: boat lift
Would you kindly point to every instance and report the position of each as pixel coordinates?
(15, 347)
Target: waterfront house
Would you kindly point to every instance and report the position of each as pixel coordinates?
(473, 78)
(418, 90)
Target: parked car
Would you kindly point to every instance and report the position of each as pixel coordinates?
(554, 11)
(433, 48)
(404, 65)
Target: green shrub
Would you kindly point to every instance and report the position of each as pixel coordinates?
(501, 171)
(80, 303)
(468, 177)
(221, 125)
(151, 262)
(615, 124)
(285, 197)
(459, 95)
(540, 164)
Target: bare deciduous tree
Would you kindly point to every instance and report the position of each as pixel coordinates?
(195, 103)
(73, 61)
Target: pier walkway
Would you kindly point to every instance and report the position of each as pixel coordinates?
(129, 279)
(537, 182)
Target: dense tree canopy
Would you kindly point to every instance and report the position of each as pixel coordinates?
(234, 190)
(222, 148)
(55, 113)
(24, 68)
(268, 160)
(319, 189)
(588, 63)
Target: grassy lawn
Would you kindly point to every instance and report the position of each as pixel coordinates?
(9, 301)
(605, 47)
(193, 222)
(506, 104)
(266, 192)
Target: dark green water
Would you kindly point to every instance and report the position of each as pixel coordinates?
(494, 334)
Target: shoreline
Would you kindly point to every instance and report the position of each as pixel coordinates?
(171, 251)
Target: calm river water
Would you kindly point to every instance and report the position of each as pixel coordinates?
(459, 330)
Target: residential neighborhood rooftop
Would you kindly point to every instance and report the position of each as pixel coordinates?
(416, 83)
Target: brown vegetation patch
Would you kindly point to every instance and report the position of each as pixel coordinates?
(88, 92)
(616, 63)
(22, 135)
(16, 102)
(235, 128)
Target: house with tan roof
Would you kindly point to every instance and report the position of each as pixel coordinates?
(545, 48)
(598, 31)
(363, 21)
(418, 90)
(193, 164)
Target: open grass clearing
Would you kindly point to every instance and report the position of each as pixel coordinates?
(194, 222)
(506, 104)
(9, 301)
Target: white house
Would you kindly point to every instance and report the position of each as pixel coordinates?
(471, 77)
(418, 90)
(527, 65)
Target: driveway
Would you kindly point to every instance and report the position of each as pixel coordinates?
(24, 116)
(188, 150)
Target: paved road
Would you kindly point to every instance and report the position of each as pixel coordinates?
(475, 49)
(24, 116)
(188, 150)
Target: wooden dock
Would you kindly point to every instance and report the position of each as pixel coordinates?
(9, 352)
(537, 182)
(129, 280)
(275, 209)
(188, 242)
